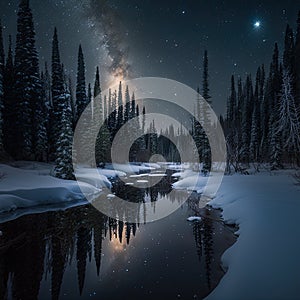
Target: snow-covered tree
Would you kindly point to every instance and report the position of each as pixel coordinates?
(27, 84)
(297, 63)
(81, 98)
(120, 119)
(256, 126)
(9, 101)
(41, 119)
(2, 59)
(206, 153)
(288, 123)
(62, 117)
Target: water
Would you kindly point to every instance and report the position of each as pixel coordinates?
(79, 253)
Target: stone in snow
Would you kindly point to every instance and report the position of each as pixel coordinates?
(194, 218)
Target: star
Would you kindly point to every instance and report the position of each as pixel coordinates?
(257, 24)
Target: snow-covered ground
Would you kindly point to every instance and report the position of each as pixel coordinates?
(264, 263)
(28, 185)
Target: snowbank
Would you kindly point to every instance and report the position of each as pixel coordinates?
(190, 181)
(30, 185)
(131, 168)
(264, 262)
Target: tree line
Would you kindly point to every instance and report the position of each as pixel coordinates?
(262, 123)
(38, 111)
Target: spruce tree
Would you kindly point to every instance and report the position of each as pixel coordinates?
(2, 59)
(127, 105)
(206, 153)
(62, 117)
(246, 120)
(289, 51)
(57, 90)
(41, 118)
(9, 111)
(27, 84)
(288, 122)
(297, 64)
(120, 119)
(81, 98)
(231, 122)
(97, 88)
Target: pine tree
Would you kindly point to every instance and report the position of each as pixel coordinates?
(81, 99)
(57, 90)
(2, 59)
(120, 119)
(246, 120)
(255, 126)
(41, 118)
(205, 85)
(288, 122)
(62, 117)
(27, 84)
(297, 64)
(97, 88)
(127, 105)
(289, 51)
(206, 153)
(103, 138)
(238, 118)
(47, 104)
(9, 111)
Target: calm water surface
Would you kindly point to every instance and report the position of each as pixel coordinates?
(79, 253)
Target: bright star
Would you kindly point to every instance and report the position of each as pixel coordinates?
(257, 24)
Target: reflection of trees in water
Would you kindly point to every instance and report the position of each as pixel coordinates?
(52, 240)
(203, 234)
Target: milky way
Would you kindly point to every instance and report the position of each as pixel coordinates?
(107, 21)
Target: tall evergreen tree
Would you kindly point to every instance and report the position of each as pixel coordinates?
(9, 111)
(41, 118)
(27, 84)
(57, 90)
(81, 98)
(288, 122)
(62, 117)
(120, 107)
(246, 120)
(2, 59)
(206, 154)
(289, 51)
(127, 105)
(256, 126)
(297, 63)
(97, 87)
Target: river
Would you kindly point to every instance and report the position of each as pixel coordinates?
(79, 253)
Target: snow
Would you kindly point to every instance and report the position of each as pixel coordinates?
(29, 185)
(130, 168)
(190, 181)
(23, 188)
(264, 262)
(194, 218)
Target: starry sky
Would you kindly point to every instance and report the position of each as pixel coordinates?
(130, 38)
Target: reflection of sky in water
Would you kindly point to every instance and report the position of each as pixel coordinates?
(168, 257)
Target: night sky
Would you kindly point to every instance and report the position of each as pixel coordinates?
(160, 38)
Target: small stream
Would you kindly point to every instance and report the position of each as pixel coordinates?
(79, 253)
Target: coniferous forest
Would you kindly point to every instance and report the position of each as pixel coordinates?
(78, 220)
(39, 109)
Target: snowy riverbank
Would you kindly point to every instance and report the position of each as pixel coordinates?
(264, 262)
(25, 185)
